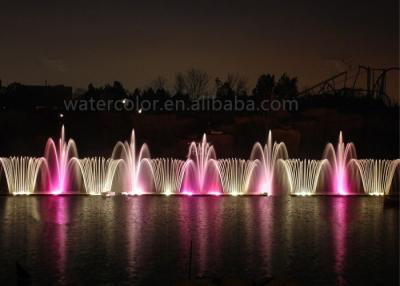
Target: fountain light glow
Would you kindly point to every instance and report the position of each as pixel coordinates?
(236, 174)
(201, 173)
(98, 174)
(21, 173)
(377, 175)
(201, 161)
(303, 175)
(168, 175)
(58, 159)
(339, 160)
(135, 163)
(268, 157)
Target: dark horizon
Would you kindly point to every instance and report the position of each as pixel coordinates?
(80, 43)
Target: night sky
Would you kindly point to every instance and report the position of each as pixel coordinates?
(77, 42)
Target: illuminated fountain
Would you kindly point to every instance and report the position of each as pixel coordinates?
(303, 175)
(58, 161)
(137, 165)
(236, 175)
(268, 157)
(98, 174)
(377, 175)
(168, 175)
(201, 169)
(339, 160)
(21, 173)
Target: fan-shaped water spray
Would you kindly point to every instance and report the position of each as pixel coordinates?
(202, 164)
(98, 173)
(268, 157)
(339, 161)
(135, 164)
(168, 175)
(58, 159)
(303, 175)
(377, 175)
(236, 175)
(21, 173)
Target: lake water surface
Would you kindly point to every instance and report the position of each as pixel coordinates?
(147, 240)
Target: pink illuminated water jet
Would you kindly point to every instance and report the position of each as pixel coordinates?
(58, 159)
(268, 158)
(137, 166)
(339, 160)
(201, 168)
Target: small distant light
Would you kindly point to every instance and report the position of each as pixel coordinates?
(61, 115)
(124, 101)
(140, 111)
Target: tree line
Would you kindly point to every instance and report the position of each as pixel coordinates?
(196, 84)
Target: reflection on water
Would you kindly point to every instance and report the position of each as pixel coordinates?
(147, 240)
(340, 219)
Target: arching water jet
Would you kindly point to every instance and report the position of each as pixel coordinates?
(268, 157)
(339, 160)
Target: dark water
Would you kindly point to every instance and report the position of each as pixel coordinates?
(146, 240)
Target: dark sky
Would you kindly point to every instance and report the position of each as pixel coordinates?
(74, 42)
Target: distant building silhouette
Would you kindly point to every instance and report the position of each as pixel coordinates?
(38, 96)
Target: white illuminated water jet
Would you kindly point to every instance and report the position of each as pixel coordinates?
(58, 161)
(201, 160)
(268, 157)
(303, 175)
(377, 175)
(135, 164)
(98, 173)
(236, 175)
(21, 173)
(339, 162)
(168, 175)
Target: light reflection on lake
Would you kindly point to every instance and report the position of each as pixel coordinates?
(143, 240)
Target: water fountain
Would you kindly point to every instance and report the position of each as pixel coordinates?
(339, 162)
(98, 173)
(58, 160)
(303, 175)
(135, 164)
(268, 157)
(21, 173)
(168, 175)
(201, 173)
(236, 175)
(376, 175)
(201, 169)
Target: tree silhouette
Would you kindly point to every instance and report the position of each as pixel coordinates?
(286, 87)
(159, 83)
(264, 87)
(234, 85)
(193, 82)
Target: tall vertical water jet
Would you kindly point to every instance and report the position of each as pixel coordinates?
(58, 158)
(21, 173)
(339, 162)
(137, 165)
(377, 175)
(201, 169)
(268, 157)
(168, 175)
(303, 175)
(236, 175)
(97, 173)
